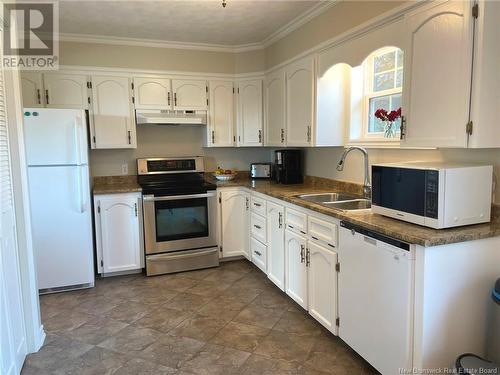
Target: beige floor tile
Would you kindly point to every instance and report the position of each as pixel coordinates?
(260, 365)
(215, 360)
(138, 366)
(199, 327)
(129, 312)
(240, 336)
(259, 316)
(286, 346)
(188, 302)
(131, 340)
(208, 289)
(299, 323)
(163, 319)
(96, 361)
(66, 320)
(222, 308)
(96, 330)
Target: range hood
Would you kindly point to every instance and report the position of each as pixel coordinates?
(170, 117)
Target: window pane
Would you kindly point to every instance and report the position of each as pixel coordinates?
(387, 102)
(400, 58)
(384, 62)
(399, 78)
(383, 81)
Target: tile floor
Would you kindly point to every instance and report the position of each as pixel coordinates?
(227, 320)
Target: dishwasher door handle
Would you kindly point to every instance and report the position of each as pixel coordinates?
(370, 240)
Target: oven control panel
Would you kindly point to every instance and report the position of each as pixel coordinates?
(170, 165)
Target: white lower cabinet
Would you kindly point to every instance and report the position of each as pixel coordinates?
(322, 285)
(234, 230)
(276, 244)
(118, 232)
(295, 267)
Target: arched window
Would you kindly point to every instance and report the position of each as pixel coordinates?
(383, 85)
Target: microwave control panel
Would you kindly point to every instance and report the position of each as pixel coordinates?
(431, 194)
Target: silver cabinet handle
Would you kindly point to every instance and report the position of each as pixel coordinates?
(168, 98)
(402, 130)
(257, 204)
(260, 136)
(213, 136)
(257, 226)
(175, 99)
(38, 96)
(280, 220)
(257, 252)
(302, 250)
(129, 137)
(282, 135)
(47, 96)
(246, 203)
(308, 133)
(135, 209)
(308, 257)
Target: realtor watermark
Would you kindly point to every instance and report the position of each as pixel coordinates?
(31, 35)
(447, 370)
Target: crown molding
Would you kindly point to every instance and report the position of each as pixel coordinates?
(302, 19)
(155, 43)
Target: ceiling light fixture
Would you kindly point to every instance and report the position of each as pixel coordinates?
(224, 3)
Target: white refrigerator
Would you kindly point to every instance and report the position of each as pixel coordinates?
(59, 186)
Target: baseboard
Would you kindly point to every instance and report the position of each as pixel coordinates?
(40, 339)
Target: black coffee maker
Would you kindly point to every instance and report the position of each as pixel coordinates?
(288, 166)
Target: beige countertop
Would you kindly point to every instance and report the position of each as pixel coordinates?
(410, 233)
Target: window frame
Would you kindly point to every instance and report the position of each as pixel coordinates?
(368, 93)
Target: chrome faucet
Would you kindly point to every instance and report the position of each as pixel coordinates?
(367, 187)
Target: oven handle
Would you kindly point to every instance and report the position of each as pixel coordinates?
(181, 256)
(148, 198)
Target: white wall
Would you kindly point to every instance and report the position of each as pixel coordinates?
(321, 162)
(162, 141)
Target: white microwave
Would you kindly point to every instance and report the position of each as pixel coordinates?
(435, 195)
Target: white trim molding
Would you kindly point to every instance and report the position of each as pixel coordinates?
(283, 31)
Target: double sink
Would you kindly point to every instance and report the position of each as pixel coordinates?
(338, 201)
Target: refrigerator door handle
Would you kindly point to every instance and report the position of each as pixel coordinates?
(81, 193)
(79, 139)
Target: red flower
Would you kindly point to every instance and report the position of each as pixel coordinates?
(392, 116)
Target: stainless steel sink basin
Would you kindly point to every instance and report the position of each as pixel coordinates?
(350, 205)
(327, 197)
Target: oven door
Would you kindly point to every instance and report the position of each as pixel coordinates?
(180, 222)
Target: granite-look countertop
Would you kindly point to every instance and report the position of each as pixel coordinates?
(410, 233)
(115, 184)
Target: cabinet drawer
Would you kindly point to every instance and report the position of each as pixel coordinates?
(321, 230)
(258, 227)
(259, 254)
(258, 205)
(296, 221)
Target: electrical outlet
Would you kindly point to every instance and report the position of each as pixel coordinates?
(124, 168)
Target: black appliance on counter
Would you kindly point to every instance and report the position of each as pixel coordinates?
(288, 166)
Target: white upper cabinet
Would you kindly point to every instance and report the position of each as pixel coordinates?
(300, 96)
(190, 94)
(437, 80)
(221, 116)
(485, 108)
(234, 212)
(113, 114)
(66, 91)
(152, 93)
(250, 130)
(275, 108)
(32, 87)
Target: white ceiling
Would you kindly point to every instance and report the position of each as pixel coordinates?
(200, 21)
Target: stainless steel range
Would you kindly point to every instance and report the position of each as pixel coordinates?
(180, 215)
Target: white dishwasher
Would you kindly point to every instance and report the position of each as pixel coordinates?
(376, 294)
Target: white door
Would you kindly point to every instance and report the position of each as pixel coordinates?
(62, 245)
(295, 267)
(152, 93)
(221, 120)
(322, 285)
(437, 80)
(276, 244)
(190, 94)
(67, 143)
(119, 219)
(300, 102)
(66, 91)
(250, 113)
(235, 227)
(13, 347)
(32, 87)
(376, 301)
(114, 120)
(275, 108)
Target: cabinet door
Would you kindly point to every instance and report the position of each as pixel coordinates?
(120, 237)
(152, 93)
(276, 244)
(322, 285)
(190, 94)
(235, 224)
(275, 108)
(113, 114)
(438, 74)
(66, 91)
(299, 102)
(250, 113)
(221, 120)
(32, 87)
(295, 269)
